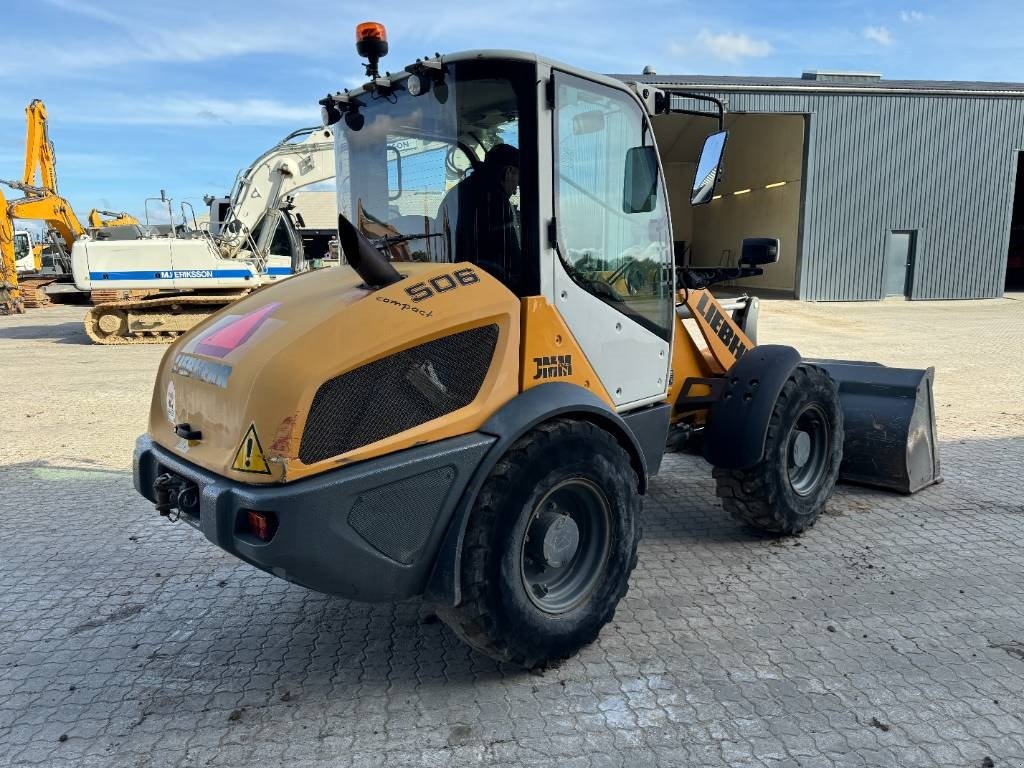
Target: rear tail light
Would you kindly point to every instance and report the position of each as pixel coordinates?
(261, 525)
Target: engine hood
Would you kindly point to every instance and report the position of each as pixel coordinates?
(245, 378)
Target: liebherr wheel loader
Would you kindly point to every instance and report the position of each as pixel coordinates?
(478, 423)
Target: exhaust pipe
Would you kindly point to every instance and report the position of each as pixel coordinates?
(369, 263)
(889, 422)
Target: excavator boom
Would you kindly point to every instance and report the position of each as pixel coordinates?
(41, 202)
(113, 219)
(39, 157)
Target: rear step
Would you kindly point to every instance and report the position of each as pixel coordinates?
(889, 421)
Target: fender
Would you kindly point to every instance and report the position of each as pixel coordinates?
(738, 423)
(508, 424)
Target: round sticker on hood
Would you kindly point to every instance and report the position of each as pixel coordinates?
(172, 411)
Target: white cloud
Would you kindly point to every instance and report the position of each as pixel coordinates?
(194, 110)
(914, 17)
(176, 40)
(727, 46)
(880, 35)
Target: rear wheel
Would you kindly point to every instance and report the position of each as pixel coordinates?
(549, 546)
(787, 490)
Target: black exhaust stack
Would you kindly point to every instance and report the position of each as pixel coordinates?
(367, 261)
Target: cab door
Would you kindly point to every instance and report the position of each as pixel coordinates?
(613, 281)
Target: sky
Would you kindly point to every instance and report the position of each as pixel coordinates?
(181, 96)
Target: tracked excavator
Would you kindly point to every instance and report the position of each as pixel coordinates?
(99, 219)
(478, 425)
(40, 201)
(196, 271)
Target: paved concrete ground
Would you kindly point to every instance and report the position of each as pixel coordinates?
(891, 634)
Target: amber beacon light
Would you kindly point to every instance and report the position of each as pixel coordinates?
(371, 44)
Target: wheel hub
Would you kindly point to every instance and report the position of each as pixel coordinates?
(809, 445)
(566, 545)
(554, 539)
(801, 448)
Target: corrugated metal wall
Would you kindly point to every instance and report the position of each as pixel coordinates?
(942, 165)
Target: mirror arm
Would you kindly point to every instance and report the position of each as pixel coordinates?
(666, 108)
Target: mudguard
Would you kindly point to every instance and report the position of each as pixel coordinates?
(508, 424)
(738, 423)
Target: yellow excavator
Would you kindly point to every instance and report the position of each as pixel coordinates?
(475, 418)
(41, 202)
(99, 219)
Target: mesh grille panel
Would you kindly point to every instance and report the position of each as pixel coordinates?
(396, 393)
(396, 519)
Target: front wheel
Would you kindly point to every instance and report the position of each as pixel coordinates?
(549, 546)
(787, 490)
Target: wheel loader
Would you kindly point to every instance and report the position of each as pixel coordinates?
(474, 418)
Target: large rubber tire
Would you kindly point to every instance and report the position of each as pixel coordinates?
(497, 615)
(779, 495)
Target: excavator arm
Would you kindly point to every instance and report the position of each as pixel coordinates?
(10, 296)
(114, 219)
(303, 157)
(39, 157)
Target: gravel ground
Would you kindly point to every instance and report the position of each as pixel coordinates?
(891, 634)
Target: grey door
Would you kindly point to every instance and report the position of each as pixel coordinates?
(899, 263)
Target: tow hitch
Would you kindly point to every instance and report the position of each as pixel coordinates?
(176, 496)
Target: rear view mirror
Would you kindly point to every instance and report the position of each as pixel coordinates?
(640, 187)
(759, 250)
(708, 168)
(588, 122)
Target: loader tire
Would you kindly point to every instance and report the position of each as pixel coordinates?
(549, 547)
(787, 490)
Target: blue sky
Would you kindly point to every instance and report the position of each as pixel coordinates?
(181, 95)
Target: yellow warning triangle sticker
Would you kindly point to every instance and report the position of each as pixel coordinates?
(249, 457)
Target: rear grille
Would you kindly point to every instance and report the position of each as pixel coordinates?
(397, 393)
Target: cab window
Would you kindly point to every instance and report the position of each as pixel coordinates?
(610, 209)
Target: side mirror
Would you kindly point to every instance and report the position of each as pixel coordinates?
(759, 250)
(640, 186)
(588, 122)
(708, 168)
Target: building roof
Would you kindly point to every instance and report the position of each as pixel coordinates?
(318, 208)
(830, 82)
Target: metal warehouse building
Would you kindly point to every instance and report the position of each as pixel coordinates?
(875, 187)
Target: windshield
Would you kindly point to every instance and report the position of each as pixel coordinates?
(437, 177)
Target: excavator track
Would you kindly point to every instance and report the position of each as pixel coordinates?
(152, 321)
(32, 294)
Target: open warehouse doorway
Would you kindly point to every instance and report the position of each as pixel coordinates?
(1015, 256)
(760, 193)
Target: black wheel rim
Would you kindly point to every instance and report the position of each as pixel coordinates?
(566, 546)
(808, 447)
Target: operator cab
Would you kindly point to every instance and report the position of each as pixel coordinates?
(413, 171)
(586, 227)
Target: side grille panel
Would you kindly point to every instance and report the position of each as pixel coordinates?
(397, 519)
(397, 393)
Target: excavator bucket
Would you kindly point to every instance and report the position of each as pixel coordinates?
(889, 420)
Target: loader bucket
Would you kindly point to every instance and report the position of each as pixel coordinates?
(889, 421)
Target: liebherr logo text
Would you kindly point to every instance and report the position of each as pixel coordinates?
(185, 273)
(722, 328)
